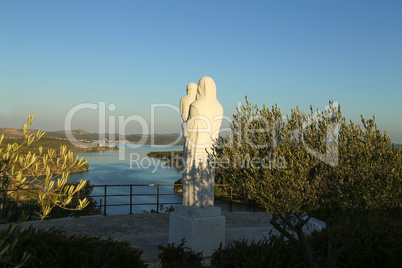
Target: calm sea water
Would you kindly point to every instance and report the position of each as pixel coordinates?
(136, 168)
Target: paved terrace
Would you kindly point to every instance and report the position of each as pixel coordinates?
(147, 230)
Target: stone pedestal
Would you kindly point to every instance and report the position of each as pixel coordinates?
(202, 228)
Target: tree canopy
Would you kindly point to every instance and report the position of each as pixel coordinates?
(302, 165)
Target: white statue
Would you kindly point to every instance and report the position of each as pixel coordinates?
(185, 103)
(187, 100)
(201, 131)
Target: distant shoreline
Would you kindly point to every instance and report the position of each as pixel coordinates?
(96, 149)
(171, 158)
(86, 137)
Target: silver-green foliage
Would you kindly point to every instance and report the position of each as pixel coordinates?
(294, 165)
(39, 177)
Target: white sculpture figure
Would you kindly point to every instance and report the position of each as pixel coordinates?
(185, 103)
(187, 100)
(198, 221)
(202, 125)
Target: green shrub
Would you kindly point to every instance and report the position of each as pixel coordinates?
(19, 212)
(34, 247)
(162, 209)
(272, 252)
(30, 210)
(173, 256)
(91, 209)
(377, 244)
(9, 240)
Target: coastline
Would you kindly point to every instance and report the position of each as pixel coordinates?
(171, 158)
(97, 149)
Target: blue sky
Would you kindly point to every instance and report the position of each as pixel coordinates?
(55, 55)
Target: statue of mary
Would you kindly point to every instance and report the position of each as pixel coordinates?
(202, 130)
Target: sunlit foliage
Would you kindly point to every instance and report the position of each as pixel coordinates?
(41, 177)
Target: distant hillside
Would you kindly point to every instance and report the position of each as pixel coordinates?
(157, 139)
(78, 135)
(52, 143)
(12, 133)
(168, 138)
(84, 136)
(397, 145)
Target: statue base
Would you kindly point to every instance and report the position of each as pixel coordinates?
(202, 228)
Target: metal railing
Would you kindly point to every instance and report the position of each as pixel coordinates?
(132, 195)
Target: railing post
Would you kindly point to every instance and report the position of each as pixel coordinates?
(100, 206)
(157, 200)
(104, 210)
(131, 199)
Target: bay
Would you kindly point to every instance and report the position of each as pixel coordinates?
(127, 166)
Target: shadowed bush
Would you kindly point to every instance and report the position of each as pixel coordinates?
(377, 243)
(173, 256)
(30, 210)
(34, 247)
(275, 252)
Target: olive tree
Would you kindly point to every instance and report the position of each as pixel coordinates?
(300, 165)
(39, 177)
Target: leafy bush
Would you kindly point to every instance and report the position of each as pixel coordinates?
(272, 252)
(34, 247)
(9, 240)
(30, 210)
(379, 247)
(162, 209)
(91, 209)
(296, 164)
(173, 256)
(376, 244)
(40, 177)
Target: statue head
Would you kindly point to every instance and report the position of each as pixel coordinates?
(206, 88)
(192, 89)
